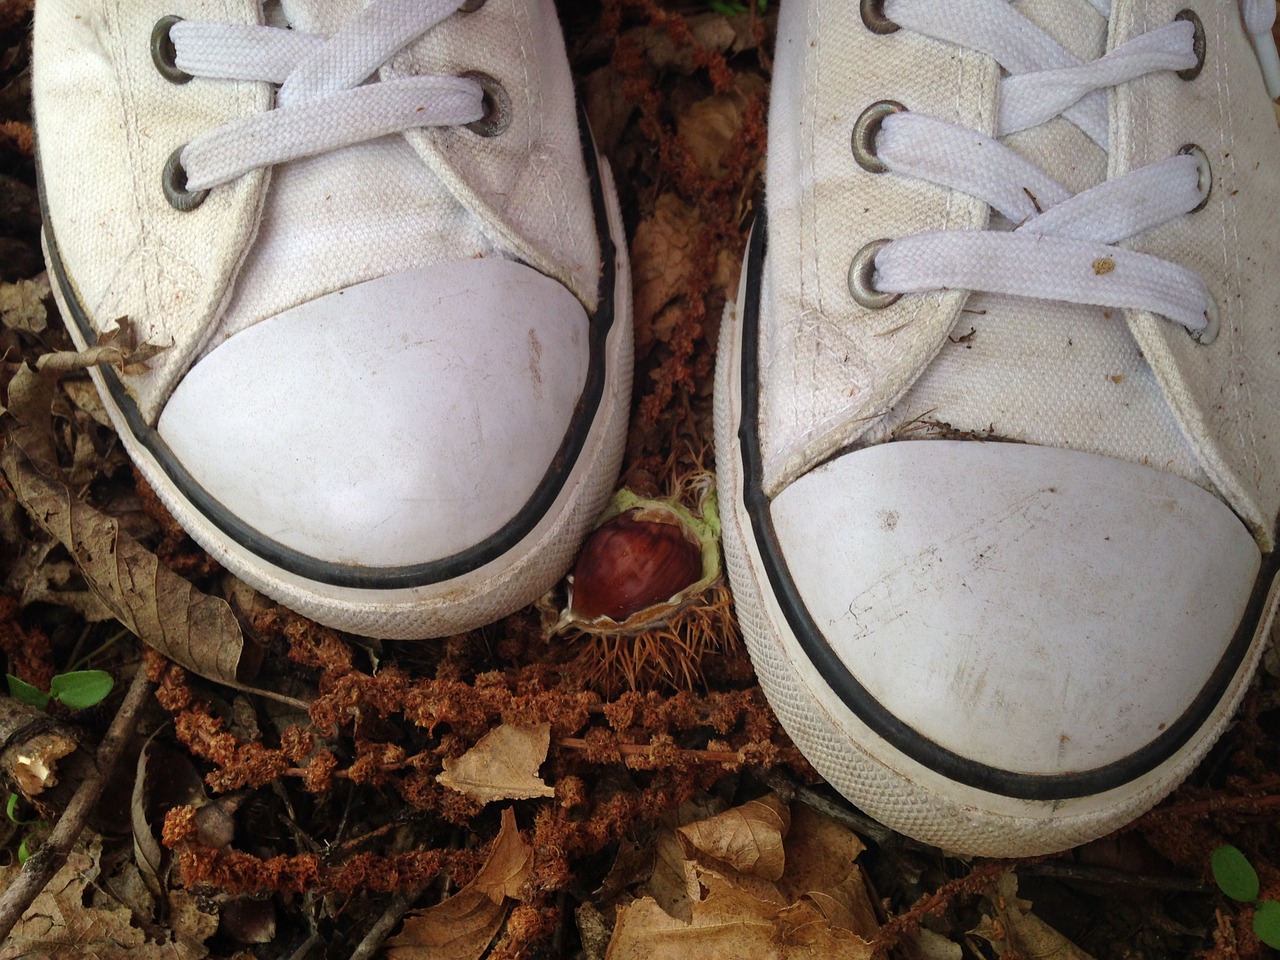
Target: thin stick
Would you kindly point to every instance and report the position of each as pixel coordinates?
(39, 870)
(378, 933)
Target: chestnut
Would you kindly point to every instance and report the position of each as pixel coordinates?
(631, 562)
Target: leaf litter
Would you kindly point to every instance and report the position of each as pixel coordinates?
(292, 791)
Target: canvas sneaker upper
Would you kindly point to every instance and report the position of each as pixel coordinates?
(381, 271)
(1016, 359)
(997, 419)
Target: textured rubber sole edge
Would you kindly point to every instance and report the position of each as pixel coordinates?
(889, 786)
(513, 580)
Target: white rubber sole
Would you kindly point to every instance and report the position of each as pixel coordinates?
(902, 793)
(482, 595)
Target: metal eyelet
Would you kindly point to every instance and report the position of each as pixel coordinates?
(174, 181)
(163, 53)
(1206, 174)
(1213, 325)
(874, 19)
(865, 131)
(496, 103)
(861, 274)
(1197, 43)
(471, 6)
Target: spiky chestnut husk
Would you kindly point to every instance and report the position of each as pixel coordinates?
(648, 643)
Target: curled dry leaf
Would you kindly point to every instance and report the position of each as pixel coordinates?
(667, 883)
(503, 765)
(38, 576)
(165, 778)
(822, 867)
(119, 347)
(760, 880)
(729, 924)
(747, 838)
(162, 609)
(462, 927)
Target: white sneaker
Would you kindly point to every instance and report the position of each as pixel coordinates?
(1006, 648)
(391, 291)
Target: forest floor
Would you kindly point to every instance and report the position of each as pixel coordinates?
(280, 790)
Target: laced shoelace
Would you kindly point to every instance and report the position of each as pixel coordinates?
(1063, 246)
(323, 101)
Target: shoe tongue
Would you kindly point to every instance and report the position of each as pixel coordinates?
(319, 16)
(1040, 371)
(1058, 147)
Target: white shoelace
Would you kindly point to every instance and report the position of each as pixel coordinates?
(1062, 247)
(323, 102)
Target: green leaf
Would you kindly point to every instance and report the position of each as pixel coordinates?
(1234, 874)
(1266, 923)
(81, 689)
(24, 854)
(24, 692)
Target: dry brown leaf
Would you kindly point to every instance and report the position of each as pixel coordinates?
(1016, 930)
(462, 927)
(755, 880)
(662, 266)
(120, 347)
(710, 31)
(593, 931)
(747, 839)
(36, 578)
(58, 924)
(668, 884)
(86, 397)
(164, 778)
(249, 921)
(503, 765)
(821, 865)
(729, 924)
(708, 126)
(22, 305)
(607, 106)
(162, 609)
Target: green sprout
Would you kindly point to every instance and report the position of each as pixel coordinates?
(1235, 876)
(78, 689)
(11, 811)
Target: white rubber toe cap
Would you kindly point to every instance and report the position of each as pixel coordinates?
(1015, 609)
(397, 422)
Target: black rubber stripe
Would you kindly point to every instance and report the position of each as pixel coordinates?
(870, 711)
(382, 578)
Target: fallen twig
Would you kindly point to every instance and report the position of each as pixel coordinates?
(1106, 875)
(39, 870)
(372, 941)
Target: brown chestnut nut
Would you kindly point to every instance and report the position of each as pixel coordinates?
(629, 563)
